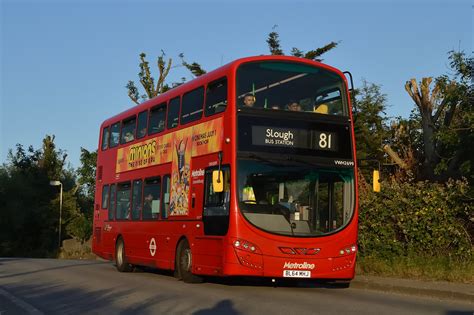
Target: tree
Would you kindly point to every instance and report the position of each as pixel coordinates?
(370, 126)
(148, 82)
(446, 119)
(194, 67)
(273, 41)
(152, 90)
(80, 225)
(29, 223)
(86, 172)
(51, 160)
(29, 206)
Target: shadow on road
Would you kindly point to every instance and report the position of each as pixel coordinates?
(256, 281)
(59, 299)
(65, 266)
(222, 307)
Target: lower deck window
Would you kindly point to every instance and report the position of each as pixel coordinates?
(111, 215)
(123, 202)
(151, 199)
(136, 199)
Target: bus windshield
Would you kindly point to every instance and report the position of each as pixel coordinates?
(275, 85)
(295, 199)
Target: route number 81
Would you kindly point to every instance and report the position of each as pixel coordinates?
(324, 141)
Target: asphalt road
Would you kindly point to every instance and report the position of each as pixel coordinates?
(48, 286)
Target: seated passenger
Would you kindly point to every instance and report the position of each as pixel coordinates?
(249, 100)
(294, 106)
(147, 213)
(142, 132)
(128, 136)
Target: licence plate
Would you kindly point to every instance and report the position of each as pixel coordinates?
(296, 274)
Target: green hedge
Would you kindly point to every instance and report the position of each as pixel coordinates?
(416, 219)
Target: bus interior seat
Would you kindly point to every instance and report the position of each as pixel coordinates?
(321, 109)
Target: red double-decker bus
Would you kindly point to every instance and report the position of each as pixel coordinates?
(247, 170)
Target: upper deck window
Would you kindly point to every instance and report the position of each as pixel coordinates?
(142, 122)
(192, 105)
(216, 97)
(157, 119)
(114, 135)
(105, 138)
(128, 130)
(173, 113)
(136, 199)
(276, 85)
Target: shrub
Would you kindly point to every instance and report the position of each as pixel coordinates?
(416, 218)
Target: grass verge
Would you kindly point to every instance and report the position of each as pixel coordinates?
(418, 267)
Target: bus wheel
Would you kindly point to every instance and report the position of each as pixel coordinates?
(344, 285)
(120, 258)
(184, 263)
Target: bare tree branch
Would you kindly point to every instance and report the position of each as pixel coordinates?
(145, 77)
(412, 89)
(164, 69)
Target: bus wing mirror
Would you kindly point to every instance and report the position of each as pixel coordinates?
(217, 181)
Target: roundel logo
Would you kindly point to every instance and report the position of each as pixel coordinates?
(152, 247)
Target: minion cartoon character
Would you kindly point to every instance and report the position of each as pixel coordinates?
(185, 176)
(180, 151)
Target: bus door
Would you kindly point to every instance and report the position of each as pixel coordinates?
(215, 217)
(108, 231)
(215, 214)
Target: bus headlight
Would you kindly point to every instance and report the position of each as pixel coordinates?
(348, 250)
(248, 253)
(246, 246)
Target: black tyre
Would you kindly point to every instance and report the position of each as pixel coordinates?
(184, 262)
(121, 258)
(342, 284)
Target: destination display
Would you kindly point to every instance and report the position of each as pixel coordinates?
(294, 138)
(327, 138)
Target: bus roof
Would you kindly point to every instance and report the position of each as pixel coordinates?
(210, 76)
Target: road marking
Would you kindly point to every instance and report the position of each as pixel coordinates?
(30, 309)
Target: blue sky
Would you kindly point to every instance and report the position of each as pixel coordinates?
(64, 64)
